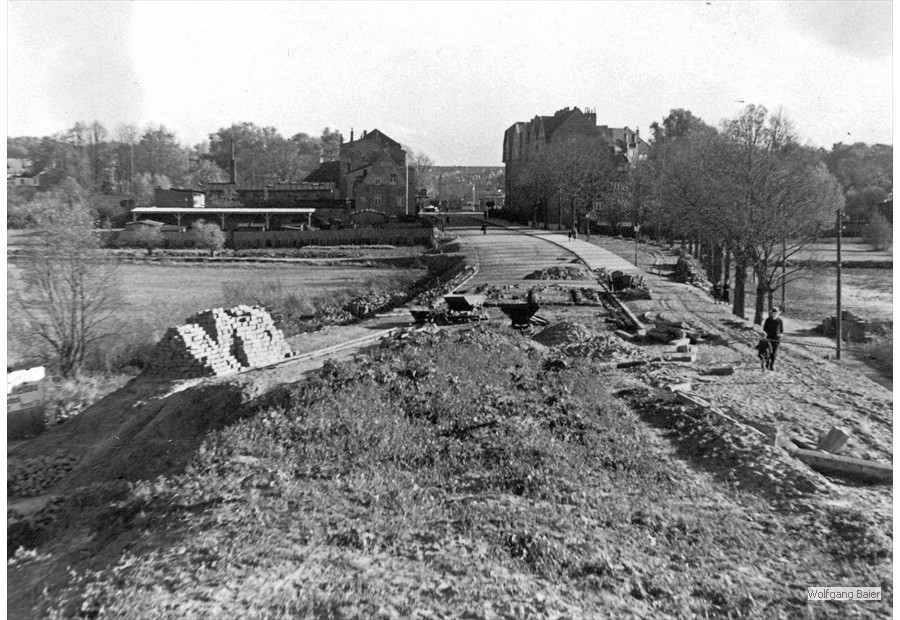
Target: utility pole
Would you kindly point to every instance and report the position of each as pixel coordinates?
(783, 273)
(838, 318)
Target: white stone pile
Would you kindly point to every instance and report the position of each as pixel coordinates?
(219, 342)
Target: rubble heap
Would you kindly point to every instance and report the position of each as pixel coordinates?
(565, 332)
(687, 270)
(219, 342)
(562, 272)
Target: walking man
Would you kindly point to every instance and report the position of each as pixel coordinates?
(774, 327)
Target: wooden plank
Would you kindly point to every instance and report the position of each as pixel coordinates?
(846, 466)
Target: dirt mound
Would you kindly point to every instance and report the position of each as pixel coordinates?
(567, 332)
(562, 272)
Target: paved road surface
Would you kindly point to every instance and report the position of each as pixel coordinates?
(506, 254)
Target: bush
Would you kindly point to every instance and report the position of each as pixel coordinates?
(878, 233)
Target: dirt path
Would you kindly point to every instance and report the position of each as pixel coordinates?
(805, 396)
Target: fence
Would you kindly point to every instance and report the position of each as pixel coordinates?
(348, 236)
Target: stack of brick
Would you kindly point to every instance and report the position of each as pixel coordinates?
(219, 342)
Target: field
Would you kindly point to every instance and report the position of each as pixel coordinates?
(868, 293)
(159, 296)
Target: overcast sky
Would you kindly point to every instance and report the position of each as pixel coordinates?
(446, 78)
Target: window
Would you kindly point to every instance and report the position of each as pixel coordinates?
(393, 179)
(377, 181)
(377, 201)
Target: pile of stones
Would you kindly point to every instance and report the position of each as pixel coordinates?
(564, 333)
(562, 272)
(688, 271)
(219, 342)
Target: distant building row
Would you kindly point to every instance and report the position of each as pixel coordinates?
(370, 175)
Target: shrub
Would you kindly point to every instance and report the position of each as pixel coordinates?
(878, 233)
(146, 237)
(208, 236)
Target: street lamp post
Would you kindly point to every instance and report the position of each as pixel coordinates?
(838, 318)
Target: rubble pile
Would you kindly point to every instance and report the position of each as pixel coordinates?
(688, 271)
(566, 332)
(30, 477)
(219, 342)
(854, 328)
(562, 272)
(601, 347)
(667, 327)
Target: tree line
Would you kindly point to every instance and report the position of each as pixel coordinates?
(745, 197)
(132, 161)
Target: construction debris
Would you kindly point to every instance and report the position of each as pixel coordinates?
(853, 327)
(834, 441)
(858, 469)
(219, 342)
(721, 371)
(688, 271)
(562, 272)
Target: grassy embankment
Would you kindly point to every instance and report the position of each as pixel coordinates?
(458, 474)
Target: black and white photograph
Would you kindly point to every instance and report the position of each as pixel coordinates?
(506, 310)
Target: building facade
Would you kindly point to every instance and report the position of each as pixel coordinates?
(373, 174)
(523, 142)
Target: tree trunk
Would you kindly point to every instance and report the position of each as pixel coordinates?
(771, 297)
(761, 289)
(715, 263)
(726, 275)
(740, 280)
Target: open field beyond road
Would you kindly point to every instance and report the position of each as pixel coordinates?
(157, 297)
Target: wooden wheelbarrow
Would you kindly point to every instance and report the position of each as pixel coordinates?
(463, 308)
(520, 314)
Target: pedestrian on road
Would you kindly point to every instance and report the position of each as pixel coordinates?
(484, 228)
(575, 234)
(774, 327)
(717, 293)
(725, 288)
(570, 234)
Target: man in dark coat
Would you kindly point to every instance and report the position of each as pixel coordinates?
(774, 327)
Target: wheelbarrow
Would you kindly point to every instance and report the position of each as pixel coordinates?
(520, 314)
(422, 315)
(463, 308)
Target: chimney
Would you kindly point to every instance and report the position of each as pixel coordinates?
(365, 131)
(351, 134)
(233, 165)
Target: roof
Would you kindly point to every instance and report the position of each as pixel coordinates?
(272, 187)
(178, 189)
(199, 210)
(144, 223)
(327, 172)
(375, 134)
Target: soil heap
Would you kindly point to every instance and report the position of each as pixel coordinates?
(562, 272)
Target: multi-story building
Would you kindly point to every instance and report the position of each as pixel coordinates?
(523, 142)
(371, 175)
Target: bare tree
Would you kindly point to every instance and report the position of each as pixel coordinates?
(781, 199)
(68, 294)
